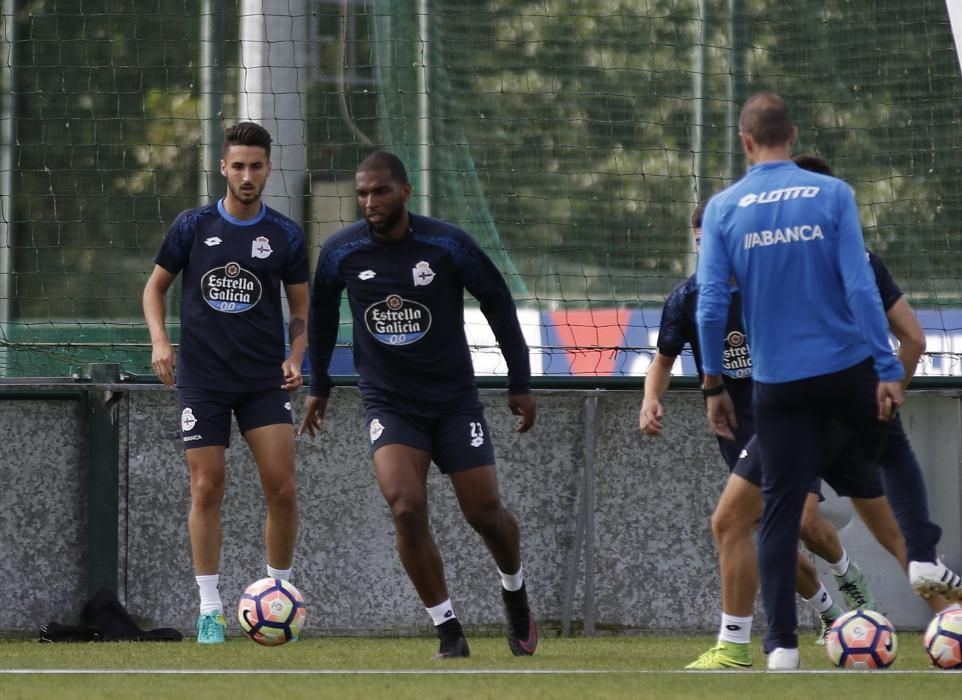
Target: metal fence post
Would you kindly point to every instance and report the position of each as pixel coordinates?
(102, 449)
(584, 530)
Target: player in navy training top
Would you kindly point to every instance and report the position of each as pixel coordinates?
(405, 277)
(732, 531)
(234, 255)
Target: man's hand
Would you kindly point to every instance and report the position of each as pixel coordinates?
(650, 417)
(721, 415)
(292, 374)
(163, 359)
(524, 406)
(890, 395)
(314, 411)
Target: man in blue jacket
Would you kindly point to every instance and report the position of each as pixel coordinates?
(814, 319)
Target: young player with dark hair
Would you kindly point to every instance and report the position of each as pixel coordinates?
(235, 255)
(405, 277)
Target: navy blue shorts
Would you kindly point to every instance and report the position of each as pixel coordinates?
(749, 467)
(847, 470)
(205, 414)
(740, 392)
(457, 440)
(732, 450)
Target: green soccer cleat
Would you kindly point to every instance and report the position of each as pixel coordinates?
(825, 626)
(854, 589)
(210, 628)
(723, 655)
(825, 620)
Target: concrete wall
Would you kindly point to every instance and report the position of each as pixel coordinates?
(42, 540)
(615, 525)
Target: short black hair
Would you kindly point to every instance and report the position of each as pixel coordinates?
(813, 162)
(248, 134)
(387, 161)
(699, 213)
(765, 117)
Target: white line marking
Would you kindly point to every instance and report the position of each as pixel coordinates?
(427, 672)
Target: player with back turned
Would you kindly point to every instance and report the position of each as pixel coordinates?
(735, 548)
(814, 320)
(793, 242)
(234, 255)
(405, 277)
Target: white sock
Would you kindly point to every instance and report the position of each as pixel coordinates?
(209, 595)
(442, 612)
(737, 630)
(840, 568)
(821, 601)
(282, 574)
(512, 582)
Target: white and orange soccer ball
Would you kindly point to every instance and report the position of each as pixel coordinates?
(862, 639)
(272, 612)
(943, 639)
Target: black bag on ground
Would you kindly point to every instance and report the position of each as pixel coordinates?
(55, 632)
(104, 619)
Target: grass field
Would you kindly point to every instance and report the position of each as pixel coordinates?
(582, 668)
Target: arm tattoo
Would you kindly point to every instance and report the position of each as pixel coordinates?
(295, 328)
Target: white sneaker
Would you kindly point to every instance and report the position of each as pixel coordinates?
(929, 578)
(782, 659)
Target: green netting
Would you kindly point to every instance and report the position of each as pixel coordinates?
(407, 67)
(565, 135)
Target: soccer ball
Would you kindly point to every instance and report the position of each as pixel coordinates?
(943, 639)
(862, 639)
(271, 612)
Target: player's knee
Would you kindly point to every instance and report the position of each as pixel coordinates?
(281, 495)
(811, 530)
(723, 523)
(411, 520)
(206, 492)
(486, 516)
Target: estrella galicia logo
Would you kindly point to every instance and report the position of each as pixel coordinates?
(397, 321)
(230, 289)
(737, 359)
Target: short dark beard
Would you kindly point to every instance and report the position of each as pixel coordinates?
(241, 197)
(389, 222)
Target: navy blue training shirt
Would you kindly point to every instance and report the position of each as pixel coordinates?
(231, 313)
(679, 328)
(407, 303)
(793, 241)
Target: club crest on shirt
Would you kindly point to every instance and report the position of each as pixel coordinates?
(397, 321)
(187, 420)
(230, 289)
(423, 274)
(261, 247)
